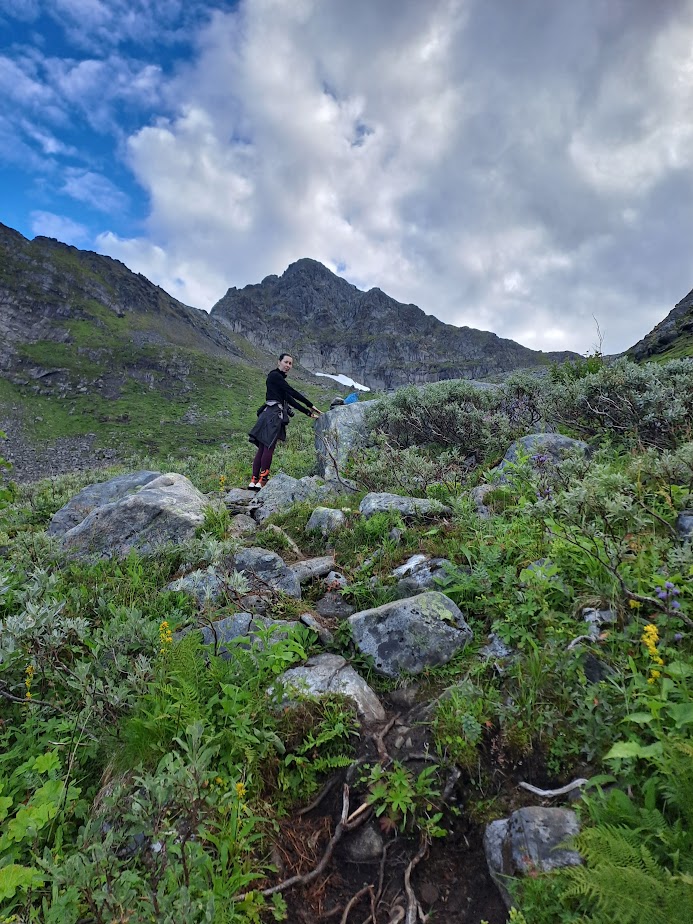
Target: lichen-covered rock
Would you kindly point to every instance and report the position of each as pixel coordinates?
(478, 496)
(539, 446)
(97, 495)
(266, 572)
(242, 525)
(166, 509)
(310, 568)
(282, 491)
(241, 625)
(419, 573)
(410, 635)
(408, 506)
(329, 673)
(338, 433)
(326, 521)
(529, 842)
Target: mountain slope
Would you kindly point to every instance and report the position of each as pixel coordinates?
(672, 338)
(90, 348)
(334, 327)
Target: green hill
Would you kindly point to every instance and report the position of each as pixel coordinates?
(95, 350)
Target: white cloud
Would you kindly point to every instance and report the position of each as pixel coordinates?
(94, 190)
(60, 227)
(518, 167)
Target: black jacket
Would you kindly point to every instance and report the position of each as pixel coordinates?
(278, 389)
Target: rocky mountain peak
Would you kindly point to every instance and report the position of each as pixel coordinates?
(332, 326)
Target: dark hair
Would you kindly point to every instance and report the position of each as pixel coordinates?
(282, 355)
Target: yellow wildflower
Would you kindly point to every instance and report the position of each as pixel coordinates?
(28, 680)
(634, 604)
(240, 790)
(165, 635)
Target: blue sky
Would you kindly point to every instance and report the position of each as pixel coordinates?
(517, 167)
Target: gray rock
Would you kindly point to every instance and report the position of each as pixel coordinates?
(598, 618)
(241, 500)
(242, 525)
(365, 845)
(282, 491)
(326, 521)
(408, 506)
(338, 433)
(553, 445)
(97, 495)
(529, 842)
(408, 636)
(335, 578)
(322, 632)
(311, 568)
(328, 673)
(266, 571)
(419, 573)
(495, 649)
(478, 496)
(409, 565)
(684, 524)
(167, 509)
(334, 606)
(240, 625)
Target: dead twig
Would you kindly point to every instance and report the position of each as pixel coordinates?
(450, 783)
(353, 900)
(356, 816)
(551, 793)
(327, 788)
(379, 739)
(414, 909)
(319, 869)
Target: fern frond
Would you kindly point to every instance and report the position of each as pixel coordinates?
(624, 883)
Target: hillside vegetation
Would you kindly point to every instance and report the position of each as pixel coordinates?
(143, 777)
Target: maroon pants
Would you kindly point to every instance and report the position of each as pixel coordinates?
(263, 459)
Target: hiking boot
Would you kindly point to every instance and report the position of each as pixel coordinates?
(254, 484)
(264, 478)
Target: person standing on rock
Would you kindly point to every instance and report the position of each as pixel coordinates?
(273, 417)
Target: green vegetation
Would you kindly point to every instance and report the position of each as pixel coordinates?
(143, 777)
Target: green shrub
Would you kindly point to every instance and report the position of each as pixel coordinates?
(650, 404)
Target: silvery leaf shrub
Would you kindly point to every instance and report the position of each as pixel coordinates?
(650, 404)
(476, 420)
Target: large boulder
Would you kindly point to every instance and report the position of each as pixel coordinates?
(282, 491)
(531, 841)
(168, 508)
(329, 673)
(97, 495)
(540, 447)
(338, 433)
(408, 507)
(410, 635)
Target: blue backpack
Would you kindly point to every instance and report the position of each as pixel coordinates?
(350, 399)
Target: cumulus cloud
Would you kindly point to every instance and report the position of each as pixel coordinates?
(59, 227)
(504, 166)
(518, 167)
